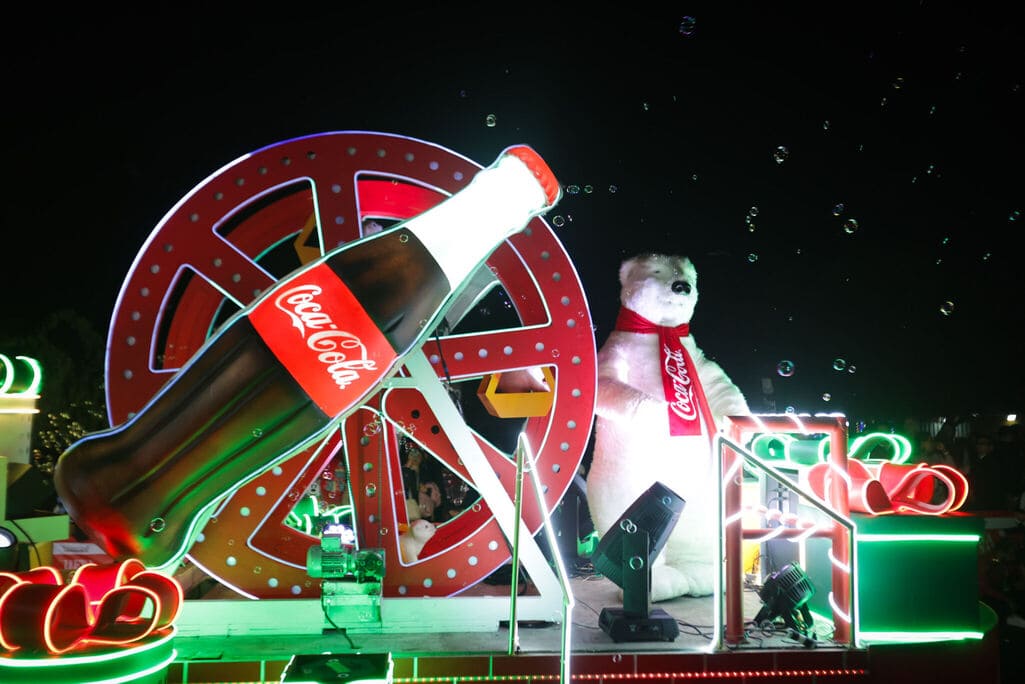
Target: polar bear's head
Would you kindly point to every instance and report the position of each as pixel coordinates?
(662, 288)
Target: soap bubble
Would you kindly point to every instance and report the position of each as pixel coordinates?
(898, 83)
(1014, 215)
(572, 189)
(852, 369)
(613, 189)
(781, 154)
(753, 211)
(687, 26)
(491, 120)
(947, 308)
(588, 189)
(826, 396)
(790, 409)
(839, 364)
(785, 368)
(838, 208)
(558, 221)
(825, 125)
(752, 257)
(850, 226)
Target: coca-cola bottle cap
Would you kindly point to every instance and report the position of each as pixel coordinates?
(539, 168)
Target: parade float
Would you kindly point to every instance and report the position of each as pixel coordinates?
(836, 566)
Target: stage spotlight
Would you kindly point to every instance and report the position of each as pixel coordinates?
(625, 554)
(785, 594)
(8, 550)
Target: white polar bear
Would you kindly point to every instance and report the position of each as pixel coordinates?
(633, 445)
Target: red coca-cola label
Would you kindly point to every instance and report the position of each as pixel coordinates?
(320, 332)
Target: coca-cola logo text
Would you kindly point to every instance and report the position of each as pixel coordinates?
(343, 354)
(683, 403)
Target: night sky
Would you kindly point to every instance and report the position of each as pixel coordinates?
(908, 114)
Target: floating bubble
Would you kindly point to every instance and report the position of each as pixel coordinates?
(947, 308)
(790, 409)
(850, 226)
(613, 189)
(750, 227)
(491, 120)
(825, 125)
(752, 257)
(838, 209)
(588, 189)
(826, 396)
(753, 211)
(930, 169)
(882, 102)
(945, 241)
(785, 368)
(572, 189)
(694, 177)
(1014, 215)
(898, 83)
(986, 256)
(932, 110)
(780, 154)
(558, 221)
(646, 106)
(839, 364)
(687, 26)
(851, 369)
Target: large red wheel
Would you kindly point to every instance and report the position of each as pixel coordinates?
(263, 215)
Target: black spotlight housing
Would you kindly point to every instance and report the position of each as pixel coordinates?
(625, 554)
(785, 594)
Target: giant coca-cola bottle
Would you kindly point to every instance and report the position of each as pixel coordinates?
(281, 372)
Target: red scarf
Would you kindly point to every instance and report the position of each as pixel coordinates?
(687, 402)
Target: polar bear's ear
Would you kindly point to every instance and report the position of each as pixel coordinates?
(625, 269)
(689, 271)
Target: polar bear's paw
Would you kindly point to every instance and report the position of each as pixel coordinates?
(668, 582)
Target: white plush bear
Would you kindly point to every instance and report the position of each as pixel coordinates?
(634, 446)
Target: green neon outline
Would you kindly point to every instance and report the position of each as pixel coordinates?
(33, 387)
(912, 637)
(899, 444)
(952, 538)
(8, 374)
(72, 660)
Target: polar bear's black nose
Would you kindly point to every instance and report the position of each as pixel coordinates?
(681, 287)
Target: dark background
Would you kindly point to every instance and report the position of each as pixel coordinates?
(907, 113)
